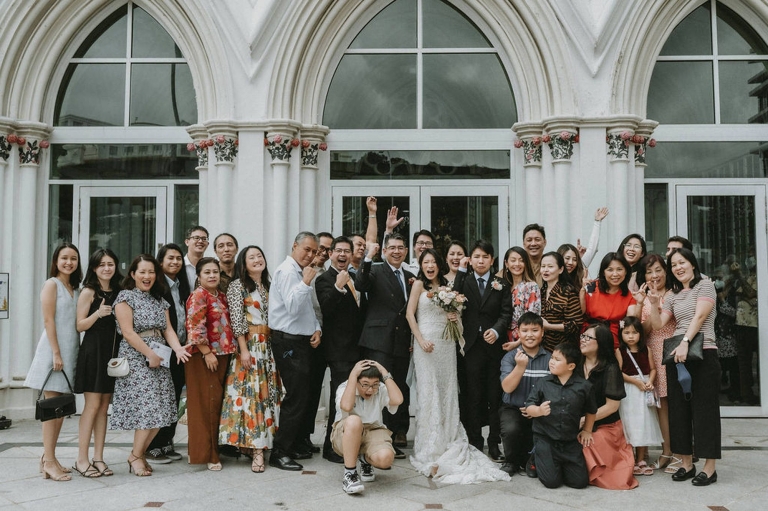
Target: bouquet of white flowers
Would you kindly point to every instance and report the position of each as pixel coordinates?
(450, 301)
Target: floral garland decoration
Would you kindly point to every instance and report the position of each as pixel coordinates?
(226, 148)
(618, 145)
(280, 148)
(29, 150)
(201, 147)
(310, 152)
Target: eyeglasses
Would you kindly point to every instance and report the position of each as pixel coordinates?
(633, 246)
(366, 387)
(198, 238)
(341, 251)
(425, 244)
(323, 250)
(585, 337)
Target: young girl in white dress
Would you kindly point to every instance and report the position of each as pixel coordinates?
(638, 410)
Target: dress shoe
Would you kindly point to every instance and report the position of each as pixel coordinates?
(701, 479)
(302, 454)
(331, 456)
(495, 454)
(399, 455)
(282, 461)
(400, 440)
(684, 475)
(509, 468)
(307, 445)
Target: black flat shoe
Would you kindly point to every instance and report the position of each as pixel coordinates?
(509, 468)
(495, 453)
(684, 475)
(703, 480)
(282, 461)
(399, 455)
(332, 457)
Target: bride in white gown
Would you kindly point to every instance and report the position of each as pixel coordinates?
(441, 448)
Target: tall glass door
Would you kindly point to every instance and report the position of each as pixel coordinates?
(128, 220)
(727, 226)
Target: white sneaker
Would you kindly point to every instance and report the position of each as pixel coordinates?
(366, 471)
(351, 483)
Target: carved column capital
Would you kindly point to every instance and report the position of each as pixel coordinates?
(312, 142)
(643, 140)
(200, 144)
(530, 139)
(223, 133)
(31, 138)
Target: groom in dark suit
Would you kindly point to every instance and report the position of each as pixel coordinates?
(487, 315)
(386, 336)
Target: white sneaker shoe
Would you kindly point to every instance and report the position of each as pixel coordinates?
(366, 471)
(351, 483)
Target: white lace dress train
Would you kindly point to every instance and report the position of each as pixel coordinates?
(441, 447)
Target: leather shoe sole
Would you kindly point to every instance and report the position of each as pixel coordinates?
(701, 479)
(684, 475)
(399, 455)
(283, 462)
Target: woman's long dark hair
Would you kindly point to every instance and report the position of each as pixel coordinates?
(440, 266)
(602, 282)
(577, 276)
(689, 256)
(563, 279)
(241, 272)
(77, 275)
(605, 351)
(91, 281)
(634, 322)
(158, 288)
(527, 272)
(645, 263)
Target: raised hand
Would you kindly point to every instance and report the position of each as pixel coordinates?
(372, 205)
(342, 278)
(601, 213)
(371, 249)
(307, 274)
(392, 220)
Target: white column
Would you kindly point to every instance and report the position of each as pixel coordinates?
(560, 136)
(6, 242)
(312, 142)
(200, 145)
(221, 180)
(279, 144)
(251, 190)
(530, 141)
(619, 141)
(643, 141)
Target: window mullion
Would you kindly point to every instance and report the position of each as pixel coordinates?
(128, 54)
(419, 68)
(715, 61)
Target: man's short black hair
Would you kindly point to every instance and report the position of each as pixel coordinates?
(370, 372)
(324, 235)
(534, 227)
(684, 241)
(341, 239)
(530, 318)
(395, 236)
(570, 351)
(197, 228)
(423, 232)
(484, 245)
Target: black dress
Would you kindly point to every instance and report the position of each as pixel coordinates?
(98, 346)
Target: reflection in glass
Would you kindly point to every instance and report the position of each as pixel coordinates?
(465, 219)
(109, 40)
(656, 217)
(420, 165)
(693, 36)
(394, 27)
(127, 225)
(446, 27)
(92, 95)
(682, 93)
(150, 39)
(373, 92)
(122, 161)
(186, 210)
(722, 230)
(162, 95)
(707, 159)
(59, 216)
(743, 92)
(355, 216)
(455, 95)
(735, 36)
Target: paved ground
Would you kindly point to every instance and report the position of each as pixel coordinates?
(742, 483)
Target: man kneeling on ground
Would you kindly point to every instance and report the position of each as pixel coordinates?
(358, 432)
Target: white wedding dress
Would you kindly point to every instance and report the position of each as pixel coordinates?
(441, 447)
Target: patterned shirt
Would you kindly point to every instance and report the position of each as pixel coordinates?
(561, 307)
(208, 322)
(682, 306)
(526, 297)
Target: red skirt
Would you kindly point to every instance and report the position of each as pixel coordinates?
(610, 461)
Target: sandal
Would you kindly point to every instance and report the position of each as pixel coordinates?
(637, 471)
(91, 472)
(106, 471)
(257, 465)
(50, 468)
(214, 467)
(661, 462)
(674, 466)
(642, 469)
(140, 471)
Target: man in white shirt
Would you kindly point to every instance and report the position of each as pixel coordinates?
(296, 330)
(359, 433)
(196, 242)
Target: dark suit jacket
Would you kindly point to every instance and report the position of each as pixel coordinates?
(493, 310)
(385, 328)
(342, 318)
(183, 295)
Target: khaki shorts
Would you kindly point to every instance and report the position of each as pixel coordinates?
(375, 438)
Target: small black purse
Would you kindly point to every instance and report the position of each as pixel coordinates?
(695, 348)
(55, 407)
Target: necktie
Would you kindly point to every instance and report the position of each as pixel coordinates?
(354, 292)
(400, 281)
(481, 285)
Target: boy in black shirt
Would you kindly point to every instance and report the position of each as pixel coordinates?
(556, 404)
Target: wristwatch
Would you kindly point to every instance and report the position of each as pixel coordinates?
(685, 339)
(386, 377)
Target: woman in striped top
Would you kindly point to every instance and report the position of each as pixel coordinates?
(692, 305)
(560, 305)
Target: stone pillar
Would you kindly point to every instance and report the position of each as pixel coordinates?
(6, 228)
(561, 136)
(528, 198)
(30, 140)
(200, 145)
(280, 142)
(618, 142)
(641, 139)
(225, 147)
(313, 141)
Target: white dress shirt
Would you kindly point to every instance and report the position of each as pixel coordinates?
(292, 302)
(191, 273)
(369, 410)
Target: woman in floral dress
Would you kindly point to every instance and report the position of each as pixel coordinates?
(253, 388)
(526, 295)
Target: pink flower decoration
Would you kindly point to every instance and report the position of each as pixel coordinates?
(191, 146)
(323, 146)
(12, 138)
(639, 150)
(21, 140)
(266, 141)
(576, 139)
(277, 139)
(546, 139)
(208, 142)
(625, 135)
(305, 144)
(565, 135)
(44, 144)
(518, 143)
(221, 139)
(652, 142)
(295, 142)
(536, 140)
(638, 139)
(237, 142)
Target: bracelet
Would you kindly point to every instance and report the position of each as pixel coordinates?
(371, 216)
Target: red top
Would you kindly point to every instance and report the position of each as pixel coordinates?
(610, 308)
(208, 322)
(641, 357)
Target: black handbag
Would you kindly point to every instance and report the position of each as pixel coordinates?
(695, 348)
(55, 407)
